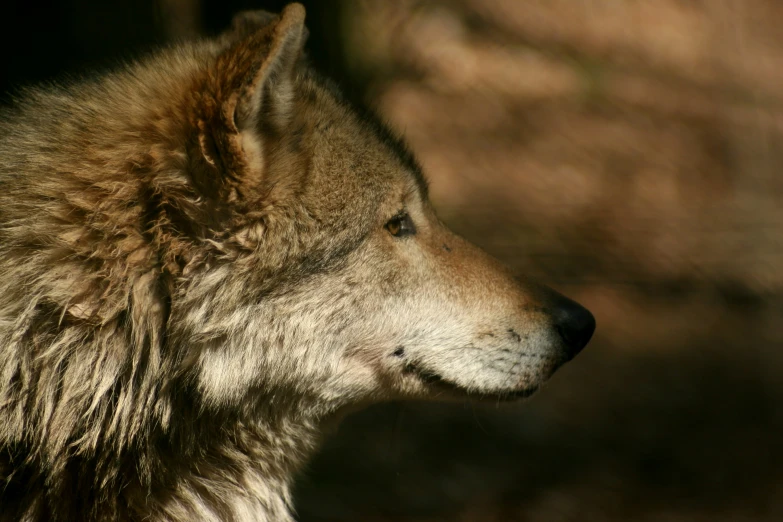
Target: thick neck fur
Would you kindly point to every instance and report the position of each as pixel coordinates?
(210, 466)
(242, 474)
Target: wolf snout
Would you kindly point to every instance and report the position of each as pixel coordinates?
(573, 322)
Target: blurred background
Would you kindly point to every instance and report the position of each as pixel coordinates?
(627, 152)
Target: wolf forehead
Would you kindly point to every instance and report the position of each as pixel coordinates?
(362, 150)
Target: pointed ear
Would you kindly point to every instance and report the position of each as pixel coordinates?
(282, 38)
(248, 91)
(246, 23)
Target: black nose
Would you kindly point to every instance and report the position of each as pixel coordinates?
(574, 323)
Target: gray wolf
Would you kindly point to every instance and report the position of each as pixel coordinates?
(209, 255)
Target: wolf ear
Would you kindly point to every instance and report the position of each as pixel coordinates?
(248, 92)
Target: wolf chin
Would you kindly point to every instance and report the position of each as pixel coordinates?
(207, 256)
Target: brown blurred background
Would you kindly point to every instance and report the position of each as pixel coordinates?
(629, 153)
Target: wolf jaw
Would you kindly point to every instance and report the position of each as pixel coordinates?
(208, 256)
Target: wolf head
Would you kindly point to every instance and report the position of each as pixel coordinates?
(327, 273)
(216, 220)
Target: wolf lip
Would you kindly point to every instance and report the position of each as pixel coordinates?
(437, 381)
(424, 375)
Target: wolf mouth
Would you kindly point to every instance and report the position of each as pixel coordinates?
(437, 382)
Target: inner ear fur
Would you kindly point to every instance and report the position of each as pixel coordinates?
(249, 87)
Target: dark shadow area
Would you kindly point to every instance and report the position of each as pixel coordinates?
(55, 40)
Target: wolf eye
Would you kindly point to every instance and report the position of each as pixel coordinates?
(401, 225)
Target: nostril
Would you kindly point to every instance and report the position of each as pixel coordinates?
(575, 324)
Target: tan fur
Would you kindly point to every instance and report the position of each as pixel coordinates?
(196, 274)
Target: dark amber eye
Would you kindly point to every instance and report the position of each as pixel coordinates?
(401, 225)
